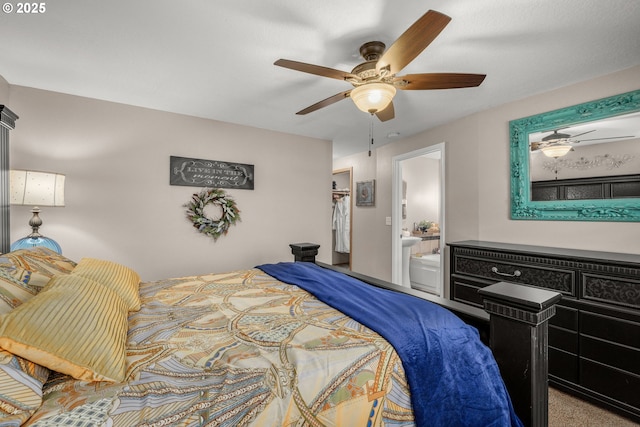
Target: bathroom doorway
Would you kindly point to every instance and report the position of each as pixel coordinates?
(342, 218)
(418, 215)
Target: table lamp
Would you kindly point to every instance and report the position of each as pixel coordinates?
(35, 189)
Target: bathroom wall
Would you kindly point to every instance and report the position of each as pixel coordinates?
(422, 176)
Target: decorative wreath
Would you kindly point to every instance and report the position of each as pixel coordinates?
(210, 227)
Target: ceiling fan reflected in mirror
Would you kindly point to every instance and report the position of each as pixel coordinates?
(375, 81)
(558, 144)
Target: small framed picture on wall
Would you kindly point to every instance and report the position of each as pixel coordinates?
(366, 193)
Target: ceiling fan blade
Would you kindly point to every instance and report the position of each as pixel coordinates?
(440, 81)
(325, 102)
(611, 137)
(315, 69)
(386, 114)
(583, 133)
(413, 41)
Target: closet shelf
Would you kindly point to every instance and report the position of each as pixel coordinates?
(338, 194)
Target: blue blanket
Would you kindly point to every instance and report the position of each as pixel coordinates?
(453, 378)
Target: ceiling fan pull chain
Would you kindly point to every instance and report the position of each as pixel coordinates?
(370, 134)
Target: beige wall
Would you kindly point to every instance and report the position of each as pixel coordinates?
(120, 206)
(477, 183)
(363, 217)
(4, 92)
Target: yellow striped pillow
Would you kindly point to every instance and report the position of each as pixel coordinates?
(120, 279)
(75, 326)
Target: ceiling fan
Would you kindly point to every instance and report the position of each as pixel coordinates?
(556, 139)
(375, 81)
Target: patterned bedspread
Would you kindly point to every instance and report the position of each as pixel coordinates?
(239, 348)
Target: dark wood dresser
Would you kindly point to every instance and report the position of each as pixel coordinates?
(594, 338)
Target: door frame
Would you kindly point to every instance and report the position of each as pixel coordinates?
(348, 170)
(396, 210)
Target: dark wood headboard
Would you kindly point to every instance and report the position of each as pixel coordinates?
(7, 123)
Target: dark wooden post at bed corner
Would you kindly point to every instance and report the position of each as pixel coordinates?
(517, 326)
(519, 337)
(305, 252)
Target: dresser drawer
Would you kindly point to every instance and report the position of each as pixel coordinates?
(563, 339)
(563, 365)
(610, 354)
(610, 329)
(563, 329)
(565, 317)
(611, 290)
(610, 342)
(610, 382)
(466, 290)
(554, 278)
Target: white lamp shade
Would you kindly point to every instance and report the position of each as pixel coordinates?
(556, 150)
(373, 97)
(36, 188)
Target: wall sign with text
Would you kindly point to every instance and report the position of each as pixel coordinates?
(210, 173)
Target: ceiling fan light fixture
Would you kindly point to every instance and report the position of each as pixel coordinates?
(373, 97)
(555, 150)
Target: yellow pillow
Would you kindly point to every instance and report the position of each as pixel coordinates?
(120, 279)
(75, 326)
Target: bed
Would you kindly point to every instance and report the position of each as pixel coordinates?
(85, 343)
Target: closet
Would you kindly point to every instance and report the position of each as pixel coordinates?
(341, 217)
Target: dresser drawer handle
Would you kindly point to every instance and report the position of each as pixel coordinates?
(516, 273)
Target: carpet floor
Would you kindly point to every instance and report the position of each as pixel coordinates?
(566, 410)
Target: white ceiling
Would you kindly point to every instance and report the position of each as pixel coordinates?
(214, 58)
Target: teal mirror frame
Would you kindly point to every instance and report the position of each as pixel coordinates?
(522, 207)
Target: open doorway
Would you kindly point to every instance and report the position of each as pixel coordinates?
(418, 219)
(341, 218)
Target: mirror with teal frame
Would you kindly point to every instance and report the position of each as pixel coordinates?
(522, 205)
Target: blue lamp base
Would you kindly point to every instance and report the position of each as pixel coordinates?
(30, 242)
